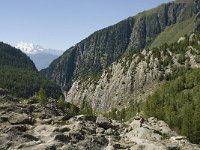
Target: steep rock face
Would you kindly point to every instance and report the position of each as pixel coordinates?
(103, 47)
(133, 77)
(92, 54)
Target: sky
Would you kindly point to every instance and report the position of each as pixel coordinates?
(60, 24)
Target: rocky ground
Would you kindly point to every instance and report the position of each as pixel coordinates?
(28, 126)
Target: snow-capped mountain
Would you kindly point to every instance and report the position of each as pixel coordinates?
(42, 57)
(30, 48)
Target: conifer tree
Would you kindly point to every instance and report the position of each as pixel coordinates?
(187, 125)
(61, 102)
(42, 97)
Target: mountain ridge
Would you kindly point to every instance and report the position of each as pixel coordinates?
(103, 47)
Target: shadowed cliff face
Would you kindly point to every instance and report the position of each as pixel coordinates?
(149, 28)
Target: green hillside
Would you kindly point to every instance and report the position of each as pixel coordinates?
(174, 32)
(178, 103)
(19, 75)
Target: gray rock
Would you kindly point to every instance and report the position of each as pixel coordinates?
(62, 138)
(100, 130)
(76, 136)
(3, 118)
(30, 137)
(103, 122)
(86, 118)
(172, 147)
(67, 116)
(64, 128)
(6, 145)
(20, 128)
(47, 121)
(109, 132)
(17, 118)
(178, 138)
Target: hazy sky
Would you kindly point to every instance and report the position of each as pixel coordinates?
(60, 24)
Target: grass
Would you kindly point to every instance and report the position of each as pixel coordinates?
(172, 33)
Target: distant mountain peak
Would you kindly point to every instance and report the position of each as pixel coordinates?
(30, 49)
(42, 57)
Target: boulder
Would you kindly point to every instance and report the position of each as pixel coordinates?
(67, 116)
(29, 137)
(142, 133)
(109, 132)
(148, 146)
(100, 130)
(47, 121)
(3, 118)
(76, 136)
(38, 145)
(100, 140)
(85, 118)
(17, 118)
(18, 128)
(27, 144)
(45, 132)
(103, 122)
(62, 138)
(171, 146)
(64, 128)
(178, 138)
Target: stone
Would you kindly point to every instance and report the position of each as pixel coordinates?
(3, 118)
(17, 118)
(177, 138)
(47, 121)
(64, 128)
(103, 122)
(62, 138)
(100, 131)
(20, 128)
(76, 136)
(6, 145)
(67, 116)
(30, 137)
(109, 147)
(172, 147)
(109, 132)
(28, 144)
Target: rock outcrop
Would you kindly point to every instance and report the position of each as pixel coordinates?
(133, 77)
(80, 132)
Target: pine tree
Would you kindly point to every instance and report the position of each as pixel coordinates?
(42, 97)
(196, 120)
(187, 125)
(61, 102)
(122, 114)
(86, 108)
